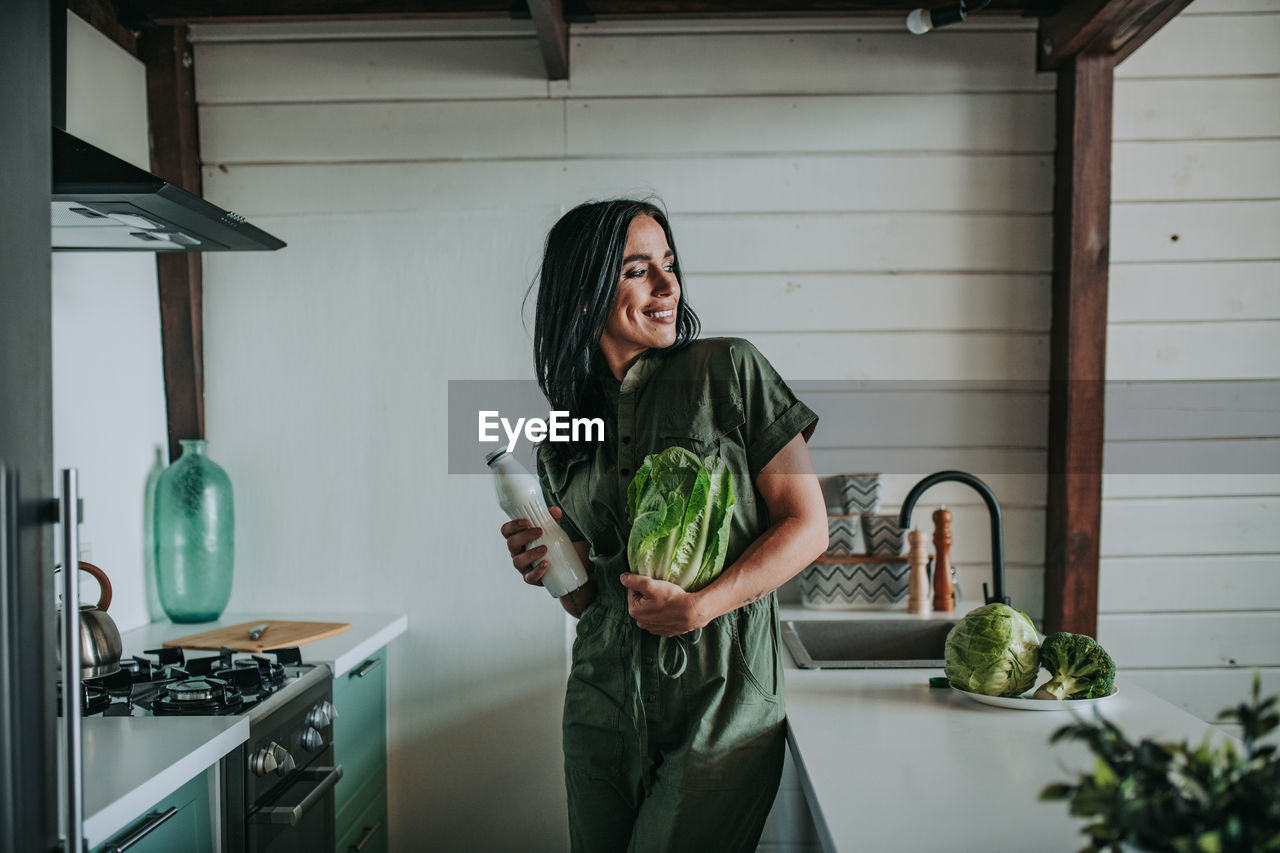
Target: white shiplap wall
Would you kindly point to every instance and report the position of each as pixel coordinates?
(1189, 591)
(862, 204)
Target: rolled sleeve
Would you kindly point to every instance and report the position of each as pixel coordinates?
(773, 413)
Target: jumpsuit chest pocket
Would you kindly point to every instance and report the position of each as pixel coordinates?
(702, 430)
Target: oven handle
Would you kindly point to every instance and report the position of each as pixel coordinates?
(291, 816)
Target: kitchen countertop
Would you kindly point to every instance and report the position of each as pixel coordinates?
(888, 763)
(131, 763)
(342, 652)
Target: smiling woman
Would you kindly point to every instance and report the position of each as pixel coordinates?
(673, 715)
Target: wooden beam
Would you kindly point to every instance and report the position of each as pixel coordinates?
(175, 156)
(1113, 27)
(1078, 342)
(553, 36)
(137, 13)
(145, 12)
(101, 15)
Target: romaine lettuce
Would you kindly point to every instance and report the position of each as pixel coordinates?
(680, 508)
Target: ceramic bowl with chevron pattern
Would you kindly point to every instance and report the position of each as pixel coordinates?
(882, 535)
(844, 536)
(858, 493)
(853, 583)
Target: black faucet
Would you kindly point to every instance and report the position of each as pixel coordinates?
(993, 509)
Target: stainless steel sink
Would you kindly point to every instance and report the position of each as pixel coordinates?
(866, 643)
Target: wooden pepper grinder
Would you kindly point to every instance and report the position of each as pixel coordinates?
(918, 580)
(944, 594)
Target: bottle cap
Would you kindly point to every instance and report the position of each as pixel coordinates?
(492, 455)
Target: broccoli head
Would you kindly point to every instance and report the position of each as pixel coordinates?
(1079, 667)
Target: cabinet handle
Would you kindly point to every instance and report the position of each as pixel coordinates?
(366, 838)
(150, 825)
(291, 816)
(368, 667)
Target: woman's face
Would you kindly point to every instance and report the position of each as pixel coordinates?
(644, 315)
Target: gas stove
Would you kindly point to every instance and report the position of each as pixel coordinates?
(165, 682)
(277, 787)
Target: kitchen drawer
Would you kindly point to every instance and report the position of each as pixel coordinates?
(189, 829)
(368, 832)
(358, 798)
(360, 730)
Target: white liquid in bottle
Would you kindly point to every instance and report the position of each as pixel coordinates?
(520, 496)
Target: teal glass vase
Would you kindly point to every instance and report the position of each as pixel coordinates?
(194, 536)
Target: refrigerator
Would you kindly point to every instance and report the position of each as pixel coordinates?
(29, 807)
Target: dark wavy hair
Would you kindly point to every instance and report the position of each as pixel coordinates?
(577, 287)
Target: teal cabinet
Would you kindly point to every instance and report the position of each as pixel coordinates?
(360, 746)
(181, 821)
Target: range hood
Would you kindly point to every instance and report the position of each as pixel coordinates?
(104, 204)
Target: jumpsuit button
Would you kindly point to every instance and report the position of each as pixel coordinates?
(626, 439)
(648, 660)
(651, 697)
(625, 471)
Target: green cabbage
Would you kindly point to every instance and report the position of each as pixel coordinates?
(994, 650)
(680, 508)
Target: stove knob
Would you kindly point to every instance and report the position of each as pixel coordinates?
(285, 760)
(330, 711)
(311, 739)
(272, 758)
(317, 717)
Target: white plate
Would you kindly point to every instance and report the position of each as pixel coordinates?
(1026, 703)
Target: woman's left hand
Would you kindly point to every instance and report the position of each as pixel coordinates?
(660, 607)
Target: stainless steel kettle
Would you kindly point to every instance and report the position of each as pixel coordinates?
(100, 645)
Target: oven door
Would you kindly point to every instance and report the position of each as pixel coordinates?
(300, 816)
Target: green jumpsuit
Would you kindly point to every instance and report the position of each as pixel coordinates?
(674, 744)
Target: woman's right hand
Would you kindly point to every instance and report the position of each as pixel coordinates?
(528, 561)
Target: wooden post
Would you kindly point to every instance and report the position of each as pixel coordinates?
(175, 156)
(1078, 342)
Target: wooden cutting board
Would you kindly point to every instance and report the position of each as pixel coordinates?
(279, 634)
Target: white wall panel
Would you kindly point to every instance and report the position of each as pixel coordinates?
(1157, 527)
(1187, 583)
(1222, 45)
(1168, 292)
(1194, 231)
(938, 356)
(787, 63)
(832, 455)
(723, 184)
(1194, 350)
(901, 242)
(1000, 123)
(1182, 171)
(1188, 485)
(375, 70)
(364, 131)
(405, 133)
(870, 302)
(1181, 108)
(948, 417)
(1191, 639)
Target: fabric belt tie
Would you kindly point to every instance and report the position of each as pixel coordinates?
(679, 648)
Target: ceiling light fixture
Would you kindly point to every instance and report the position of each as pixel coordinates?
(920, 21)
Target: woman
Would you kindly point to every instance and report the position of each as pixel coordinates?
(669, 746)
